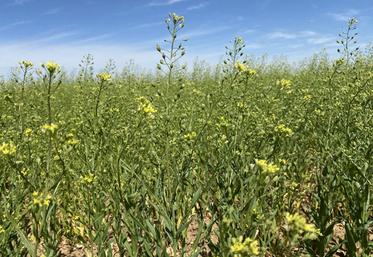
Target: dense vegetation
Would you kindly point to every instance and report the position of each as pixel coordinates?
(248, 159)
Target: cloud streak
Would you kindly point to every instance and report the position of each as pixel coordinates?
(307, 36)
(53, 11)
(203, 32)
(19, 2)
(165, 3)
(70, 54)
(291, 35)
(147, 25)
(14, 24)
(344, 16)
(197, 6)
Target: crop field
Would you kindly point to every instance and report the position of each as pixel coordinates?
(248, 158)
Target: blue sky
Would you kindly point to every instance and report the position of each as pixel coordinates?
(64, 31)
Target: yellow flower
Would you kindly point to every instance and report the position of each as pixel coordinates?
(52, 67)
(49, 127)
(190, 136)
(104, 76)
(114, 110)
(282, 129)
(27, 132)
(240, 248)
(241, 67)
(8, 149)
(47, 199)
(267, 167)
(26, 64)
(2, 230)
(340, 62)
(241, 104)
(71, 140)
(24, 172)
(77, 227)
(223, 122)
(176, 18)
(145, 106)
(298, 225)
(307, 97)
(284, 84)
(88, 179)
(149, 109)
(41, 199)
(251, 72)
(239, 41)
(283, 161)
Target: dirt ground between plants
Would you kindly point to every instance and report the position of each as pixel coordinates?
(69, 250)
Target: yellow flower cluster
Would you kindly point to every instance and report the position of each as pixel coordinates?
(71, 140)
(26, 64)
(146, 106)
(190, 136)
(307, 97)
(240, 66)
(241, 104)
(104, 76)
(49, 127)
(41, 199)
(251, 72)
(8, 149)
(176, 18)
(283, 161)
(242, 248)
(282, 129)
(77, 227)
(284, 84)
(297, 224)
(24, 172)
(245, 69)
(267, 167)
(27, 132)
(2, 230)
(223, 122)
(52, 67)
(88, 179)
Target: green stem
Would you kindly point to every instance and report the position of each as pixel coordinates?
(22, 102)
(98, 98)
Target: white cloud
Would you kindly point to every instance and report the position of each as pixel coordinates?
(164, 3)
(291, 35)
(197, 6)
(53, 11)
(55, 36)
(68, 47)
(19, 2)
(14, 24)
(95, 38)
(248, 31)
(69, 55)
(305, 37)
(254, 46)
(321, 40)
(203, 32)
(147, 25)
(344, 16)
(282, 35)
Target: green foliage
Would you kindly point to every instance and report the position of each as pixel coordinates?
(271, 166)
